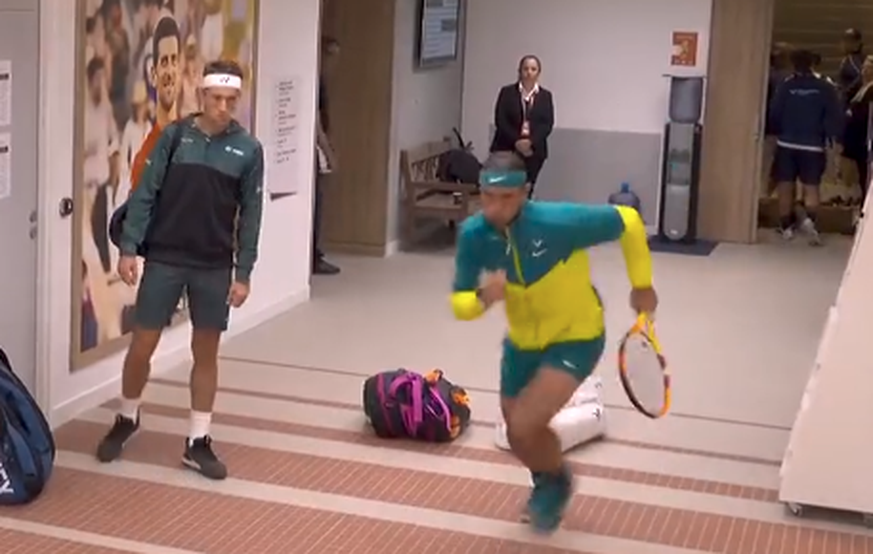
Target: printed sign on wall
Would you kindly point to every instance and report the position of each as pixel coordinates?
(684, 49)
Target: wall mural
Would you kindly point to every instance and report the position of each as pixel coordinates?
(139, 65)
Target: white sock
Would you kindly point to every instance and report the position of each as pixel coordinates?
(200, 422)
(129, 408)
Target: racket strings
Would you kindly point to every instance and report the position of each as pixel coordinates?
(644, 374)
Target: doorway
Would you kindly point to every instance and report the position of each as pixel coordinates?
(19, 123)
(359, 85)
(819, 27)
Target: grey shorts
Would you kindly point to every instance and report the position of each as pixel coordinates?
(163, 286)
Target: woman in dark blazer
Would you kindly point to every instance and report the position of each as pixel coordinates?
(524, 116)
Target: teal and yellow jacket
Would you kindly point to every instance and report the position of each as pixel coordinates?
(549, 296)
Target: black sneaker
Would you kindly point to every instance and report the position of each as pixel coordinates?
(323, 267)
(200, 457)
(113, 443)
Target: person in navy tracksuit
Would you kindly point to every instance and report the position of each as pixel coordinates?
(780, 69)
(807, 117)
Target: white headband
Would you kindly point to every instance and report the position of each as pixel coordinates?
(222, 80)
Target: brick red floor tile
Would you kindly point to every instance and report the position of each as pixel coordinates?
(481, 454)
(483, 424)
(599, 516)
(221, 524)
(16, 542)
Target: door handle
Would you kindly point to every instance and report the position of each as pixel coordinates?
(66, 207)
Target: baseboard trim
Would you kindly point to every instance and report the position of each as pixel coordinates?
(392, 248)
(356, 249)
(101, 394)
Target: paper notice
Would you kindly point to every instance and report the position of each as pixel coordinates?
(283, 144)
(5, 166)
(285, 112)
(5, 93)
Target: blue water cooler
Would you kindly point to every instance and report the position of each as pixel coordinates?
(625, 196)
(680, 165)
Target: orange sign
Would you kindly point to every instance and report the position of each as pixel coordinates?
(684, 49)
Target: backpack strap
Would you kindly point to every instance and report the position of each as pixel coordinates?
(116, 222)
(176, 140)
(412, 411)
(447, 412)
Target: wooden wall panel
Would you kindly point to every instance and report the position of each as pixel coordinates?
(731, 153)
(356, 197)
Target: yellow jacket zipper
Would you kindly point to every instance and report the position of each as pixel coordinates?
(516, 261)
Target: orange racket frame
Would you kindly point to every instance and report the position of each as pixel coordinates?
(644, 327)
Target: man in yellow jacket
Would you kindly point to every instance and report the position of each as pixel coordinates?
(534, 256)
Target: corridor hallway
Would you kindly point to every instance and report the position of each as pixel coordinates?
(740, 329)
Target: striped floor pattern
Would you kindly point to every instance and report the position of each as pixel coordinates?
(308, 478)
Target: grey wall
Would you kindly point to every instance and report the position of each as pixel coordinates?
(588, 166)
(426, 103)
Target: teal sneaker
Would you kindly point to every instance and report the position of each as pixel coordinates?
(549, 499)
(536, 478)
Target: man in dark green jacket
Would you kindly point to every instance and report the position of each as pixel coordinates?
(196, 217)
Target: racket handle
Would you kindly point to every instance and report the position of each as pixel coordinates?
(646, 322)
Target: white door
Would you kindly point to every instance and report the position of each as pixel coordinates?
(19, 51)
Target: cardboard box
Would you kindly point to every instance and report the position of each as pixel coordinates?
(831, 219)
(836, 219)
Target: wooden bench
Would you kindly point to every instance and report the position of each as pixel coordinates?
(427, 198)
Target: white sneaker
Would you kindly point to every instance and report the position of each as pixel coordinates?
(808, 227)
(786, 234)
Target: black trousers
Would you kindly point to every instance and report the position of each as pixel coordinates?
(533, 165)
(863, 176)
(317, 199)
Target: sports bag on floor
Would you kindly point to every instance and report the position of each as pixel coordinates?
(427, 407)
(27, 448)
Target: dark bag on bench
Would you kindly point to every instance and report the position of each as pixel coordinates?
(459, 165)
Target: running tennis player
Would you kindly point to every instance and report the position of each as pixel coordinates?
(533, 255)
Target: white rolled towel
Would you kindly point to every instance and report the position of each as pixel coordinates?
(581, 421)
(591, 391)
(574, 425)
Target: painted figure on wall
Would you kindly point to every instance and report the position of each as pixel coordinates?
(165, 79)
(141, 67)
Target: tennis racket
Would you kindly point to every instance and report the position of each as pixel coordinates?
(643, 369)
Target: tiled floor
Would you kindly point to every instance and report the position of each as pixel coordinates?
(308, 477)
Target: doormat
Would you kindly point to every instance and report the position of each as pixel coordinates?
(695, 248)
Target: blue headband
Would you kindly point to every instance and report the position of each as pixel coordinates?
(503, 178)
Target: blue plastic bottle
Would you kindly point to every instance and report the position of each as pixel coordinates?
(625, 197)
